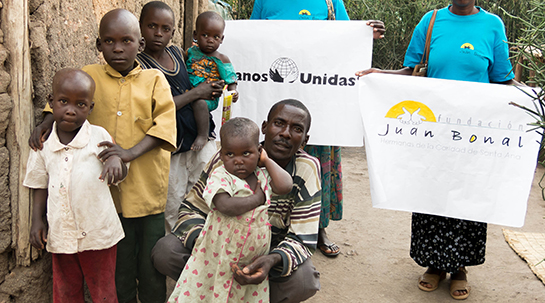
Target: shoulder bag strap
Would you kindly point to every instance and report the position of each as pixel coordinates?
(426, 53)
(330, 10)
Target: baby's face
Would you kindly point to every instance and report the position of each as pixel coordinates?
(72, 102)
(240, 156)
(209, 35)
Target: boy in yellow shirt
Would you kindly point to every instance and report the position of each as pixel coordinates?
(135, 106)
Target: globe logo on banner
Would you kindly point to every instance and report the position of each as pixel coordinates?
(284, 70)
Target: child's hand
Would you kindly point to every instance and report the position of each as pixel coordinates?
(41, 133)
(210, 89)
(263, 158)
(235, 97)
(38, 233)
(114, 150)
(259, 193)
(114, 170)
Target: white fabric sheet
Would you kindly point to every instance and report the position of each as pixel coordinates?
(450, 148)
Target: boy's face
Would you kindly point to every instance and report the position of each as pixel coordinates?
(119, 42)
(209, 35)
(72, 102)
(157, 29)
(240, 156)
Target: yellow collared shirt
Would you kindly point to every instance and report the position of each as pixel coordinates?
(130, 108)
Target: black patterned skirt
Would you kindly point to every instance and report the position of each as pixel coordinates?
(447, 243)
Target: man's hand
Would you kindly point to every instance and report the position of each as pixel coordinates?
(378, 28)
(114, 170)
(41, 133)
(256, 272)
(115, 150)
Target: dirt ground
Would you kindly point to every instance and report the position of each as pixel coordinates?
(375, 266)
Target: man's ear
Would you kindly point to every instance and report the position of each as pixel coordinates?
(98, 45)
(305, 141)
(142, 45)
(91, 107)
(264, 127)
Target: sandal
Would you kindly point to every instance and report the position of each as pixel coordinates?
(432, 279)
(329, 250)
(457, 285)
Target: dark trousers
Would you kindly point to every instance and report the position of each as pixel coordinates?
(169, 257)
(96, 266)
(134, 268)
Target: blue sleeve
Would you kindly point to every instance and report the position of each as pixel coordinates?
(418, 42)
(501, 69)
(256, 11)
(340, 10)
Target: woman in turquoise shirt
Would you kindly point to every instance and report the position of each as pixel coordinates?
(457, 52)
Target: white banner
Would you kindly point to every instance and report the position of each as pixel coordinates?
(311, 61)
(449, 148)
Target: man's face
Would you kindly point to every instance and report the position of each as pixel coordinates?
(119, 42)
(285, 132)
(157, 28)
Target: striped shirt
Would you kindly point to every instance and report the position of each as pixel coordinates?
(294, 217)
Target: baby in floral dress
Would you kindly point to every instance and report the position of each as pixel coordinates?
(237, 230)
(205, 63)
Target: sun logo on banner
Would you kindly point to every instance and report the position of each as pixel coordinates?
(467, 46)
(304, 12)
(411, 112)
(284, 70)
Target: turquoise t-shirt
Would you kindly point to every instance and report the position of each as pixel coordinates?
(467, 48)
(296, 10)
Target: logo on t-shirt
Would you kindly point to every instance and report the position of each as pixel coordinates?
(467, 46)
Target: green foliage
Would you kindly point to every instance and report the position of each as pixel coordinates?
(400, 18)
(530, 46)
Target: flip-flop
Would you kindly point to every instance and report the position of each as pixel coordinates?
(459, 285)
(432, 279)
(329, 250)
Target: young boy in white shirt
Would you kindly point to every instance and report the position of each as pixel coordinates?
(68, 180)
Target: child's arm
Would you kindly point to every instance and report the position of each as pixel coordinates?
(206, 90)
(41, 132)
(235, 206)
(114, 170)
(128, 155)
(232, 86)
(281, 181)
(38, 230)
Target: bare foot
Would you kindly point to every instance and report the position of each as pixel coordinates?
(199, 143)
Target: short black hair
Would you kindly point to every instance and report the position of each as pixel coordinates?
(209, 15)
(156, 5)
(291, 102)
(240, 127)
(73, 74)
